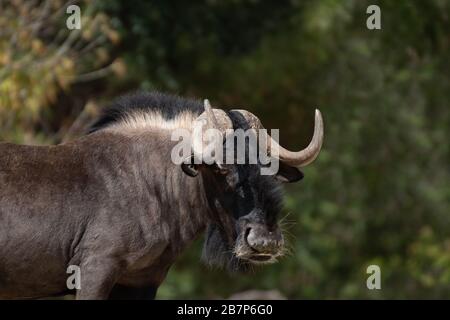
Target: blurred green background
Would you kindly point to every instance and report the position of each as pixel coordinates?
(379, 192)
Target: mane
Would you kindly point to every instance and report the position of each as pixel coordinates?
(148, 109)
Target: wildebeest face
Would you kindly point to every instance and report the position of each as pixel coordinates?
(246, 206)
(254, 203)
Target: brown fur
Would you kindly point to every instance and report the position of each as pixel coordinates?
(88, 203)
(114, 204)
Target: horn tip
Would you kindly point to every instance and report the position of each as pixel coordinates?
(318, 117)
(206, 104)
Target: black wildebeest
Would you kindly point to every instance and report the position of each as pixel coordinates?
(114, 204)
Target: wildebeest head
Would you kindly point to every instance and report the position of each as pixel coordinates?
(245, 204)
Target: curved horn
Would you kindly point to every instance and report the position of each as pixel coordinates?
(211, 118)
(215, 118)
(296, 159)
(204, 141)
(309, 154)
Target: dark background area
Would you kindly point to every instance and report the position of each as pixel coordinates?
(379, 192)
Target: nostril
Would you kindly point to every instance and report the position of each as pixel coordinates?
(253, 241)
(247, 232)
(263, 241)
(248, 238)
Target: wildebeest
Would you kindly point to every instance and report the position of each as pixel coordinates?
(113, 203)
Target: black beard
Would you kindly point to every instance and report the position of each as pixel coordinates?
(217, 252)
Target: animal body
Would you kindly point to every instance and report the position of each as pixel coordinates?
(114, 204)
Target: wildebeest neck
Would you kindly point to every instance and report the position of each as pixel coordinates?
(106, 194)
(138, 169)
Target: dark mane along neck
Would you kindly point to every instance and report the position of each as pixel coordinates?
(168, 106)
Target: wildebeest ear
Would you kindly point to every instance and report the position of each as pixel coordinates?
(189, 167)
(288, 174)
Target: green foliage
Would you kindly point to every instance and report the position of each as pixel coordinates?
(40, 57)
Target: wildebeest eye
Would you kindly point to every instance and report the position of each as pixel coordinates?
(220, 169)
